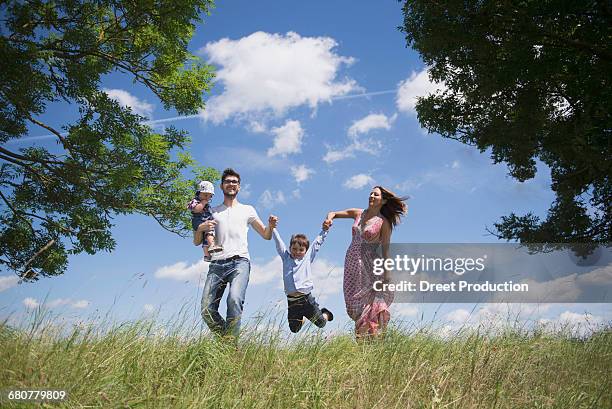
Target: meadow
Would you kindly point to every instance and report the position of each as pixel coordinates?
(136, 365)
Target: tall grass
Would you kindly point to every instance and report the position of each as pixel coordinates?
(136, 365)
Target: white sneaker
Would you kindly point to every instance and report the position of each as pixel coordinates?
(215, 249)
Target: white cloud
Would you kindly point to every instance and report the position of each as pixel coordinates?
(301, 173)
(58, 302)
(264, 273)
(126, 99)
(80, 304)
(371, 122)
(417, 85)
(497, 317)
(327, 277)
(288, 139)
(270, 199)
(576, 319)
(7, 282)
(245, 191)
(182, 272)
(257, 127)
(148, 309)
(296, 194)
(581, 324)
(357, 144)
(271, 73)
(458, 316)
(30, 303)
(358, 181)
(335, 155)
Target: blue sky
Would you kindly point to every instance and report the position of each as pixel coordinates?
(313, 105)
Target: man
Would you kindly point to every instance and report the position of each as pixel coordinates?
(231, 220)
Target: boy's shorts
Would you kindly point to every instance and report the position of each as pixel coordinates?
(199, 218)
(303, 306)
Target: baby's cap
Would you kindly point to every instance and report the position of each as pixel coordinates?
(206, 187)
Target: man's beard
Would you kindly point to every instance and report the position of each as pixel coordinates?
(230, 195)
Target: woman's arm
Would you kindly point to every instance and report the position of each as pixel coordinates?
(385, 239)
(344, 214)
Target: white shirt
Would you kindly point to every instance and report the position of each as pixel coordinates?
(232, 228)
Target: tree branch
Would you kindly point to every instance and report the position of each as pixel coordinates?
(50, 129)
(27, 159)
(28, 273)
(15, 212)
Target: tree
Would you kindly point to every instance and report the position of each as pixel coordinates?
(53, 204)
(528, 80)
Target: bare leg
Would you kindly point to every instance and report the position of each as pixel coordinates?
(212, 246)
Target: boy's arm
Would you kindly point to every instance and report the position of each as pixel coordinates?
(317, 243)
(280, 245)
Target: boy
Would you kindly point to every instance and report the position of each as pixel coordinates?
(200, 212)
(297, 263)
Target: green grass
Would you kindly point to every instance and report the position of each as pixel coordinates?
(130, 365)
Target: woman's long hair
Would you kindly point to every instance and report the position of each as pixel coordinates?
(394, 208)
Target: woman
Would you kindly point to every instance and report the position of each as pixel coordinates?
(374, 225)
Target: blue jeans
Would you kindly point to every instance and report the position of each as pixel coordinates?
(221, 273)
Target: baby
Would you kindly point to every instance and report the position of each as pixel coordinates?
(297, 280)
(200, 212)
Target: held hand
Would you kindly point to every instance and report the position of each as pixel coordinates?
(207, 225)
(272, 221)
(327, 223)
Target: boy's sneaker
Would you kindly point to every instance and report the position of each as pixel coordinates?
(215, 249)
(208, 258)
(330, 316)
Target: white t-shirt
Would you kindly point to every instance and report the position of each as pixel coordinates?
(232, 228)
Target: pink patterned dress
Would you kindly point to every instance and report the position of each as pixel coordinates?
(368, 308)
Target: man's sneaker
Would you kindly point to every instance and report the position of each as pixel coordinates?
(215, 249)
(208, 258)
(330, 316)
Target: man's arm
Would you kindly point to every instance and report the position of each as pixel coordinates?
(264, 231)
(198, 235)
